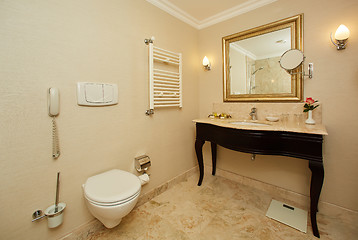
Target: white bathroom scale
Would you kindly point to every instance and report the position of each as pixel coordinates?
(289, 215)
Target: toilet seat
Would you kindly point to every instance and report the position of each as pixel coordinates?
(113, 204)
(112, 188)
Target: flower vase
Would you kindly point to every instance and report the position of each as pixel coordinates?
(310, 119)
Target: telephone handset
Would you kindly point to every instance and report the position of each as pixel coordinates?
(53, 101)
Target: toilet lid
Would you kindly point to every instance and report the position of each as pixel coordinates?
(112, 186)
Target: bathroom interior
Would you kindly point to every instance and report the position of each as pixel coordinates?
(58, 44)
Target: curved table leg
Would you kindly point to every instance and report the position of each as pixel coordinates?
(316, 186)
(213, 156)
(199, 154)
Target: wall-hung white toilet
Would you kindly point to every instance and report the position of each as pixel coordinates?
(112, 195)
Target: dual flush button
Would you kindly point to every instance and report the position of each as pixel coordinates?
(97, 94)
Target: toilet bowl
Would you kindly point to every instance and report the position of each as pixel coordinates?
(111, 195)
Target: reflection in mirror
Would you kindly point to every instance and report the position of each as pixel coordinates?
(254, 64)
(251, 65)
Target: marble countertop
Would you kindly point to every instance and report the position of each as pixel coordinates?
(290, 126)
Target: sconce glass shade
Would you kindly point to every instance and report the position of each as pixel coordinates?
(342, 33)
(206, 61)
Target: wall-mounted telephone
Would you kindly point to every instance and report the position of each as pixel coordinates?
(53, 102)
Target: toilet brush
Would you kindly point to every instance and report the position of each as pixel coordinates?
(54, 212)
(57, 192)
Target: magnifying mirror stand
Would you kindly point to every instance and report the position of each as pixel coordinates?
(293, 59)
(310, 71)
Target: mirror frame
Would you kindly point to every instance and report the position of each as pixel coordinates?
(295, 23)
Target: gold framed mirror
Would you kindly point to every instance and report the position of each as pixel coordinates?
(251, 67)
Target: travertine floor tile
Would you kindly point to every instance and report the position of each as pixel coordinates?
(163, 230)
(219, 209)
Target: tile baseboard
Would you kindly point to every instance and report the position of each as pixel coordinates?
(165, 186)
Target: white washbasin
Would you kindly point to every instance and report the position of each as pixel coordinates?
(249, 123)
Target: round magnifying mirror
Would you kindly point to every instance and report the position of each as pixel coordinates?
(291, 59)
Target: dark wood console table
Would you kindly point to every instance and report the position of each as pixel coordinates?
(292, 144)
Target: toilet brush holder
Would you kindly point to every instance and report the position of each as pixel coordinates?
(55, 215)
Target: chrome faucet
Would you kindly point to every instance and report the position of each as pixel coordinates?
(253, 113)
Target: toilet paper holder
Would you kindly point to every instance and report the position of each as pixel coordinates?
(142, 163)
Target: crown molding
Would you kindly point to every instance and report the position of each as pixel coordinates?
(233, 12)
(243, 51)
(173, 10)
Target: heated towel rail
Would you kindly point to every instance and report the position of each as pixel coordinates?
(165, 78)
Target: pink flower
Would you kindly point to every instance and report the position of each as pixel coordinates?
(309, 104)
(309, 100)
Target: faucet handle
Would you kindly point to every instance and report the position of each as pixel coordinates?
(253, 113)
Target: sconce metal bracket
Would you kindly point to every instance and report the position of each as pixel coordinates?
(341, 44)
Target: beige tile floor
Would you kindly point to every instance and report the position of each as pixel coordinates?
(219, 209)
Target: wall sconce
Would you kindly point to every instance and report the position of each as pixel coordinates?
(206, 63)
(341, 36)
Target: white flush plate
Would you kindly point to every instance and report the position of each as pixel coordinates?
(97, 94)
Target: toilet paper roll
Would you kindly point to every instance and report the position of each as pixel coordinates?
(144, 178)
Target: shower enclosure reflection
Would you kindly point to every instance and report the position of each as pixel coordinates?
(252, 81)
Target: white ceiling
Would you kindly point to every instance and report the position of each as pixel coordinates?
(204, 13)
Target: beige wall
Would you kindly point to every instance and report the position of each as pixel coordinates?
(335, 84)
(59, 43)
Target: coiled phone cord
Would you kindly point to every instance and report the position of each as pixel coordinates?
(55, 141)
